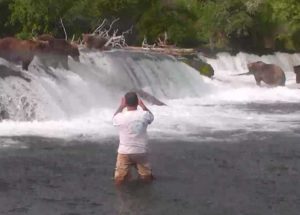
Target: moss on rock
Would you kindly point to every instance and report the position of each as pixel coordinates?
(201, 66)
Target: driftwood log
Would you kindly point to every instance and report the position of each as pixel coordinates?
(170, 51)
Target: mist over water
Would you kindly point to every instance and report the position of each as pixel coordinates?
(80, 102)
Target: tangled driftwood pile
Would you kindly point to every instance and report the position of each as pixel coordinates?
(105, 38)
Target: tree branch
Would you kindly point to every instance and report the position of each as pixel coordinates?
(62, 24)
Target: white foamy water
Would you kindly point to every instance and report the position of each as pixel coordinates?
(80, 102)
(226, 66)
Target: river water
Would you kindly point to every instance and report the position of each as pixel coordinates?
(221, 146)
(81, 101)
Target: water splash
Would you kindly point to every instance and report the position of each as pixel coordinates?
(79, 102)
(97, 82)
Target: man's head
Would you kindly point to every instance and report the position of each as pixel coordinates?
(131, 99)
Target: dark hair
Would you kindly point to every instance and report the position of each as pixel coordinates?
(131, 99)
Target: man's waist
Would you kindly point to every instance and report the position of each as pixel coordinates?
(132, 149)
(133, 141)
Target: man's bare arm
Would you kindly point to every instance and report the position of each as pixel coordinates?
(121, 107)
(143, 106)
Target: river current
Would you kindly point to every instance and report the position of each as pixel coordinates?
(80, 102)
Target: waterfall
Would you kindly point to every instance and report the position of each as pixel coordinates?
(80, 102)
(226, 65)
(98, 81)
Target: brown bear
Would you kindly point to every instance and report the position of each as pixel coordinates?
(16, 50)
(270, 74)
(45, 37)
(58, 51)
(92, 41)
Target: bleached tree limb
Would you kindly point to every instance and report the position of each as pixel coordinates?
(112, 23)
(98, 29)
(113, 40)
(106, 32)
(145, 44)
(33, 33)
(62, 24)
(73, 38)
(128, 31)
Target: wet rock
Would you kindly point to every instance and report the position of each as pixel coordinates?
(7, 72)
(201, 66)
(148, 97)
(4, 115)
(297, 71)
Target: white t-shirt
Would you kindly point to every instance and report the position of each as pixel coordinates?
(133, 130)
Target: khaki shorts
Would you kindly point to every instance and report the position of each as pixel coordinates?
(139, 161)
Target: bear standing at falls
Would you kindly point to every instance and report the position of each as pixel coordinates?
(16, 50)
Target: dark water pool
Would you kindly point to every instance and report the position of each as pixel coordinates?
(258, 175)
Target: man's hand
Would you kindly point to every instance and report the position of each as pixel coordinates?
(141, 103)
(121, 107)
(143, 106)
(123, 103)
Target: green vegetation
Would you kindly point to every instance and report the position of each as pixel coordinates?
(215, 24)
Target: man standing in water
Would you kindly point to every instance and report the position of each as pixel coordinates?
(133, 150)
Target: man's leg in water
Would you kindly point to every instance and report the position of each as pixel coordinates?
(122, 171)
(143, 167)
